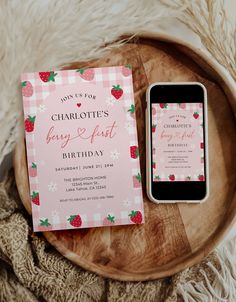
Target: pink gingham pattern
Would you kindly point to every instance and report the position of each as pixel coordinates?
(34, 105)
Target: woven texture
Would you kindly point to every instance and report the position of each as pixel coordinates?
(31, 269)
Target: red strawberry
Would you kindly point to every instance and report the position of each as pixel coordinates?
(86, 73)
(154, 128)
(134, 153)
(172, 177)
(132, 111)
(117, 91)
(27, 89)
(201, 177)
(109, 220)
(35, 198)
(75, 221)
(154, 165)
(127, 70)
(137, 180)
(29, 123)
(202, 145)
(47, 76)
(163, 105)
(44, 225)
(33, 170)
(136, 217)
(196, 115)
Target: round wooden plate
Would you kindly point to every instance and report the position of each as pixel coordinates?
(173, 236)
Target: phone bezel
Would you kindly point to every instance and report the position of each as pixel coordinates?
(152, 187)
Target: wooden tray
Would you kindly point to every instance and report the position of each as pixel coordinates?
(174, 236)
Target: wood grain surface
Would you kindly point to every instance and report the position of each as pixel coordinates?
(173, 236)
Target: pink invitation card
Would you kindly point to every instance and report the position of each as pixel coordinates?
(178, 149)
(82, 148)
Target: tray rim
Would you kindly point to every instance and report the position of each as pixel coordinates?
(228, 87)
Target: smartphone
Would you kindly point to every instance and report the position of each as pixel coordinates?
(176, 136)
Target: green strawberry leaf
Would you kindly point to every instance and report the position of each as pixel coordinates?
(128, 66)
(132, 109)
(111, 218)
(71, 218)
(31, 118)
(116, 87)
(133, 213)
(52, 76)
(81, 70)
(23, 84)
(34, 194)
(34, 165)
(44, 222)
(137, 152)
(138, 177)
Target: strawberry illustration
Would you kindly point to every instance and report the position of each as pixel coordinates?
(188, 178)
(154, 165)
(182, 105)
(154, 128)
(117, 91)
(201, 177)
(202, 159)
(196, 115)
(27, 89)
(202, 145)
(171, 177)
(48, 76)
(127, 70)
(75, 221)
(35, 198)
(137, 180)
(86, 73)
(33, 170)
(44, 225)
(109, 220)
(136, 217)
(157, 178)
(163, 105)
(29, 123)
(132, 111)
(134, 152)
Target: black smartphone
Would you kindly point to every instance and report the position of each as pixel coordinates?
(177, 149)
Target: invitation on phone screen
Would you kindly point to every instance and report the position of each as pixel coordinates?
(177, 142)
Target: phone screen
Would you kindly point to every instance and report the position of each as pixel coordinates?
(177, 139)
(178, 162)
